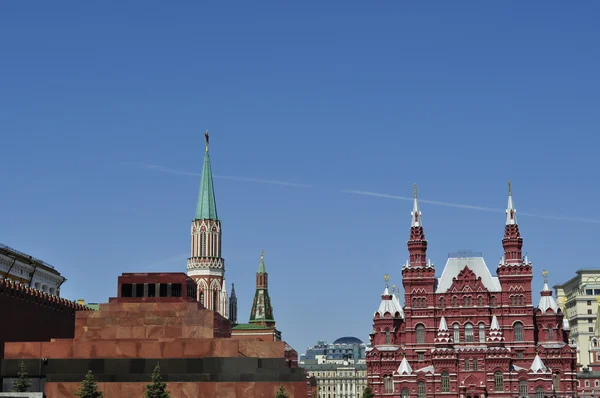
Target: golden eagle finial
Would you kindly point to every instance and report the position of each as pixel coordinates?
(545, 275)
(386, 278)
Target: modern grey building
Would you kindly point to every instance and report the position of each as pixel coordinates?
(339, 368)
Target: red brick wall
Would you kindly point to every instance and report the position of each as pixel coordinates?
(30, 315)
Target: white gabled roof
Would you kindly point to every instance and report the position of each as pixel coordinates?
(547, 301)
(537, 365)
(426, 369)
(476, 264)
(397, 303)
(390, 305)
(404, 367)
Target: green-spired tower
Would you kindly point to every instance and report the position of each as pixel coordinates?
(205, 264)
(262, 311)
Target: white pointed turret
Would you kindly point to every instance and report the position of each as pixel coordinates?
(511, 212)
(415, 214)
(495, 325)
(546, 300)
(396, 300)
(224, 300)
(495, 334)
(404, 368)
(443, 325)
(538, 365)
(443, 334)
(389, 304)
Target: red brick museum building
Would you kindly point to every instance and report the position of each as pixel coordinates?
(468, 333)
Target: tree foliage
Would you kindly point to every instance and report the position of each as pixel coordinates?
(158, 388)
(22, 384)
(368, 393)
(89, 387)
(281, 393)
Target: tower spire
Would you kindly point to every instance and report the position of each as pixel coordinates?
(205, 264)
(206, 208)
(512, 241)
(417, 245)
(262, 312)
(233, 305)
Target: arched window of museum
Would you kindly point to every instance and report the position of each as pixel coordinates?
(454, 301)
(469, 338)
(481, 332)
(387, 336)
(493, 301)
(550, 334)
(445, 382)
(518, 330)
(421, 393)
(456, 333)
(479, 301)
(388, 384)
(405, 393)
(539, 392)
(556, 381)
(420, 334)
(522, 388)
(498, 381)
(442, 302)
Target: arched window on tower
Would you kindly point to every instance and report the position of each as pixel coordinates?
(518, 329)
(215, 300)
(556, 381)
(389, 384)
(454, 301)
(442, 302)
(481, 332)
(414, 302)
(445, 382)
(493, 301)
(421, 393)
(539, 392)
(550, 334)
(522, 388)
(387, 337)
(420, 332)
(480, 301)
(202, 244)
(469, 338)
(498, 381)
(456, 333)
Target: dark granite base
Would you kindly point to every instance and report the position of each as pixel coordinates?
(172, 369)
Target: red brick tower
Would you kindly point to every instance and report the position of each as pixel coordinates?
(515, 276)
(418, 278)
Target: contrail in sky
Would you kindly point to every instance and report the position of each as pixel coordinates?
(470, 207)
(234, 178)
(366, 193)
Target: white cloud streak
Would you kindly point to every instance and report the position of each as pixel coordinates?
(233, 178)
(470, 207)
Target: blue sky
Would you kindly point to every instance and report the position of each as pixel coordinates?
(103, 109)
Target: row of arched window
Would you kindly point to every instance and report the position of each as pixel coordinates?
(517, 299)
(419, 302)
(467, 301)
(498, 386)
(469, 334)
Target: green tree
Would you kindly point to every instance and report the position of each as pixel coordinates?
(368, 393)
(22, 384)
(158, 388)
(281, 393)
(89, 387)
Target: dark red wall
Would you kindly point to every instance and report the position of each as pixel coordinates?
(30, 315)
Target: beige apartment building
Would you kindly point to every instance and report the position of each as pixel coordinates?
(579, 299)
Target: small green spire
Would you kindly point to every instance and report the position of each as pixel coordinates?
(206, 209)
(261, 266)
